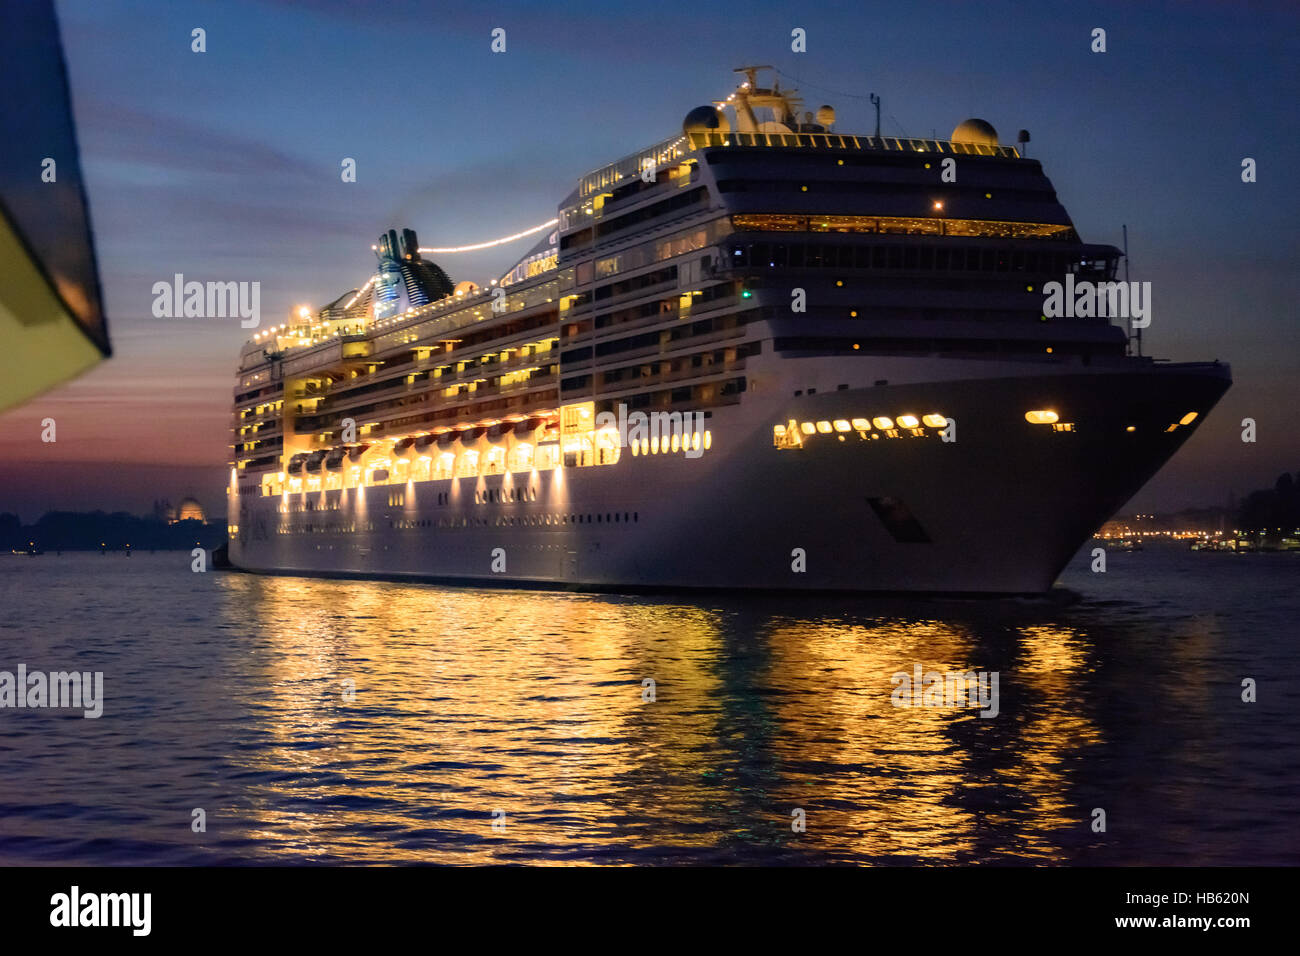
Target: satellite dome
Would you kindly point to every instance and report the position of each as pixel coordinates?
(705, 119)
(976, 131)
(826, 115)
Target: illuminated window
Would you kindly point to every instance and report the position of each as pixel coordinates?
(521, 457)
(908, 421)
(1187, 419)
(883, 423)
(708, 442)
(861, 424)
(1041, 416)
(935, 420)
(548, 456)
(607, 447)
(824, 427)
(841, 425)
(808, 428)
(675, 443)
(467, 465)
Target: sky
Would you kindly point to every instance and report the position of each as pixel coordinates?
(225, 165)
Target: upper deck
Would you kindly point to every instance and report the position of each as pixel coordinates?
(671, 267)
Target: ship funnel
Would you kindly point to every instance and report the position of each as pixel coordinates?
(410, 247)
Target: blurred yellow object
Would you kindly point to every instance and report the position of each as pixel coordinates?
(51, 317)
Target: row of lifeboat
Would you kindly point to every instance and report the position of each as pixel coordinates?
(333, 459)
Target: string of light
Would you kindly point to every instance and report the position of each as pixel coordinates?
(360, 292)
(823, 89)
(494, 242)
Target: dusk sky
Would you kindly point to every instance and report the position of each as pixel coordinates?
(224, 165)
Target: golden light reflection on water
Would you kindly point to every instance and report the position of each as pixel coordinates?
(899, 800)
(469, 702)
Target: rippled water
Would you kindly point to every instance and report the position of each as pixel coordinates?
(228, 692)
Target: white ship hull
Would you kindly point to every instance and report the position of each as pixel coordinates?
(1000, 510)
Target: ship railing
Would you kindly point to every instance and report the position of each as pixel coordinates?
(517, 360)
(242, 422)
(644, 292)
(676, 147)
(838, 141)
(667, 317)
(659, 348)
(516, 394)
(637, 383)
(662, 152)
(541, 377)
(342, 399)
(703, 371)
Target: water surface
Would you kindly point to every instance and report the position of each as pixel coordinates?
(367, 722)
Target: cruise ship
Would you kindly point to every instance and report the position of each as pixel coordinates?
(762, 353)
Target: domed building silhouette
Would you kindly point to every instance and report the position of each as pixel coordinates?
(190, 510)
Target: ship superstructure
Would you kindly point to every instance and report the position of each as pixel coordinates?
(841, 360)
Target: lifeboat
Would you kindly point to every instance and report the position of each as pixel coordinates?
(356, 451)
(334, 458)
(424, 441)
(526, 430)
(402, 447)
(296, 463)
(497, 434)
(314, 461)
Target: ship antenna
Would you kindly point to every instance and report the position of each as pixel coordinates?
(875, 101)
(1126, 282)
